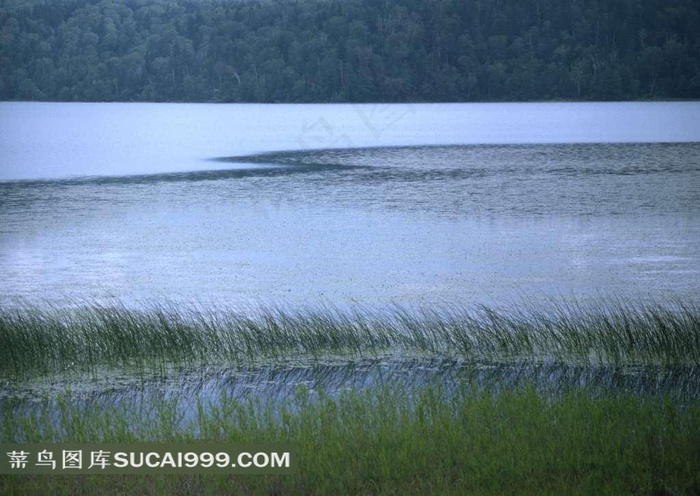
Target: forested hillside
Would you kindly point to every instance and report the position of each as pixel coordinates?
(349, 50)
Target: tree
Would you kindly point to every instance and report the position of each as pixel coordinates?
(349, 50)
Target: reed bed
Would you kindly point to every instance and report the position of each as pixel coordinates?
(36, 340)
(465, 433)
(397, 441)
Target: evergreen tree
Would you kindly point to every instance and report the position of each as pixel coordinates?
(348, 50)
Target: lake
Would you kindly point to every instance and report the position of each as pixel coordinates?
(376, 205)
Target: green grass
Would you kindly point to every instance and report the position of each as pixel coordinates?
(387, 441)
(430, 438)
(36, 340)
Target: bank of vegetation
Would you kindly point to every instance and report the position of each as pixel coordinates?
(463, 436)
(348, 50)
(395, 441)
(37, 340)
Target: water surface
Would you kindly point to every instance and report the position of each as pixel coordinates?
(346, 204)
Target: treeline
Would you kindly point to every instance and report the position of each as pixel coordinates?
(349, 50)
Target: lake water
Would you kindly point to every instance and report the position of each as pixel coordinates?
(375, 205)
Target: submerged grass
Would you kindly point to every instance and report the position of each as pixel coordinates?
(36, 340)
(397, 441)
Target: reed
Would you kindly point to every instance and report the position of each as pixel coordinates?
(396, 441)
(37, 340)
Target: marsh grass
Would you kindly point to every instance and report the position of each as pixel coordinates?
(399, 441)
(471, 435)
(38, 340)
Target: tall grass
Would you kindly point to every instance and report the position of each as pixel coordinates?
(398, 441)
(36, 340)
(450, 437)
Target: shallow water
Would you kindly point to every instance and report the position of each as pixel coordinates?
(187, 390)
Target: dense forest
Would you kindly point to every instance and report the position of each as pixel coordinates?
(349, 50)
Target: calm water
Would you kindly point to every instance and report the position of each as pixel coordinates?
(412, 204)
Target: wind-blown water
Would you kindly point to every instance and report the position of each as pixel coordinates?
(414, 204)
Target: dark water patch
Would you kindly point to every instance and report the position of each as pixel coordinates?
(253, 170)
(514, 176)
(540, 179)
(581, 157)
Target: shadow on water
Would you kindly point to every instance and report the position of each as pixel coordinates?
(418, 163)
(242, 170)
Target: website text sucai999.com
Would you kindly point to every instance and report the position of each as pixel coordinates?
(150, 458)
